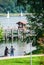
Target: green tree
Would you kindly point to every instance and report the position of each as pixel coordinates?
(1, 34)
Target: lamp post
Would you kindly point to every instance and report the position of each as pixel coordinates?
(31, 41)
(30, 52)
(31, 34)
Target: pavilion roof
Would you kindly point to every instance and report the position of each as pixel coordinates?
(22, 22)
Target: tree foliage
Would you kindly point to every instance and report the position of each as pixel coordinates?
(37, 21)
(18, 5)
(1, 34)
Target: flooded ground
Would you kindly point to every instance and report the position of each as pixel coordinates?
(11, 23)
(19, 48)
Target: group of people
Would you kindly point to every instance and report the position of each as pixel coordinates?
(6, 52)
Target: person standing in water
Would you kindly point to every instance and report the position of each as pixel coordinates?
(6, 51)
(12, 51)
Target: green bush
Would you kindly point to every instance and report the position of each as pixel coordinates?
(1, 34)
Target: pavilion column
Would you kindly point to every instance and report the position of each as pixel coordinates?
(6, 35)
(12, 35)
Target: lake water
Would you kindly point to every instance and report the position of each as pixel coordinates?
(19, 48)
(11, 23)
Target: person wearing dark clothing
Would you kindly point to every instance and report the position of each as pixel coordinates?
(6, 51)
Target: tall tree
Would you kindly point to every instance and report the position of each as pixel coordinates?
(37, 19)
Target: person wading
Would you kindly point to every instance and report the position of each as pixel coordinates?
(12, 51)
(6, 51)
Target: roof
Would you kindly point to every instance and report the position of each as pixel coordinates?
(22, 22)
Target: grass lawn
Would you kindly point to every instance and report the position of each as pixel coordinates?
(23, 61)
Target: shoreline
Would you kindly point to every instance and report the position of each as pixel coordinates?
(25, 56)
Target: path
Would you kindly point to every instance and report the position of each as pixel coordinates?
(10, 57)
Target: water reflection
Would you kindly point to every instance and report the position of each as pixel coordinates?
(8, 23)
(19, 48)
